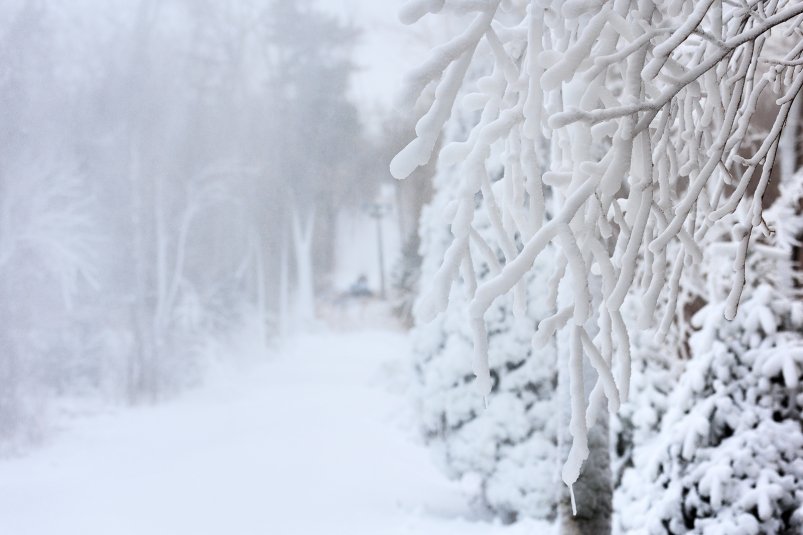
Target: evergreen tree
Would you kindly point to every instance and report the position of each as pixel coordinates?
(727, 460)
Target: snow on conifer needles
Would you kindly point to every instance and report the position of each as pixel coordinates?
(627, 131)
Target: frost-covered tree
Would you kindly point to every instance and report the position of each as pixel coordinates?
(727, 459)
(48, 234)
(669, 88)
(314, 132)
(47, 262)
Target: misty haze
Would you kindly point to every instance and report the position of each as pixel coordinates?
(385, 267)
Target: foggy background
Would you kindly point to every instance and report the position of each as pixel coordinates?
(206, 270)
(178, 172)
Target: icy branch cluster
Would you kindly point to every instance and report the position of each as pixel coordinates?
(644, 110)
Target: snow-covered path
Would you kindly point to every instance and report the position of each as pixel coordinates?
(314, 442)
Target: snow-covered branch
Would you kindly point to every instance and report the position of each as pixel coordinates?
(642, 111)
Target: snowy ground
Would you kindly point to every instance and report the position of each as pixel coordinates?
(317, 441)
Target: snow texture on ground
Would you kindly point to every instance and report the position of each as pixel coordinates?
(318, 440)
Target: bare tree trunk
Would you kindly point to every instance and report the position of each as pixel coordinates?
(284, 288)
(143, 351)
(141, 361)
(261, 292)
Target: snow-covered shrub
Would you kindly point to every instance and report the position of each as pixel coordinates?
(727, 460)
(510, 445)
(635, 429)
(656, 368)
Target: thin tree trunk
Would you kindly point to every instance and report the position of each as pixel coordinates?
(142, 359)
(305, 280)
(142, 355)
(284, 288)
(261, 293)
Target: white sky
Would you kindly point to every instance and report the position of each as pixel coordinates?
(386, 52)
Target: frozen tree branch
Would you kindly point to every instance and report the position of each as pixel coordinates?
(643, 110)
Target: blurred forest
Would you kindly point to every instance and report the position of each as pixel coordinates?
(172, 173)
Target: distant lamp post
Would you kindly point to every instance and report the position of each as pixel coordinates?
(378, 210)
